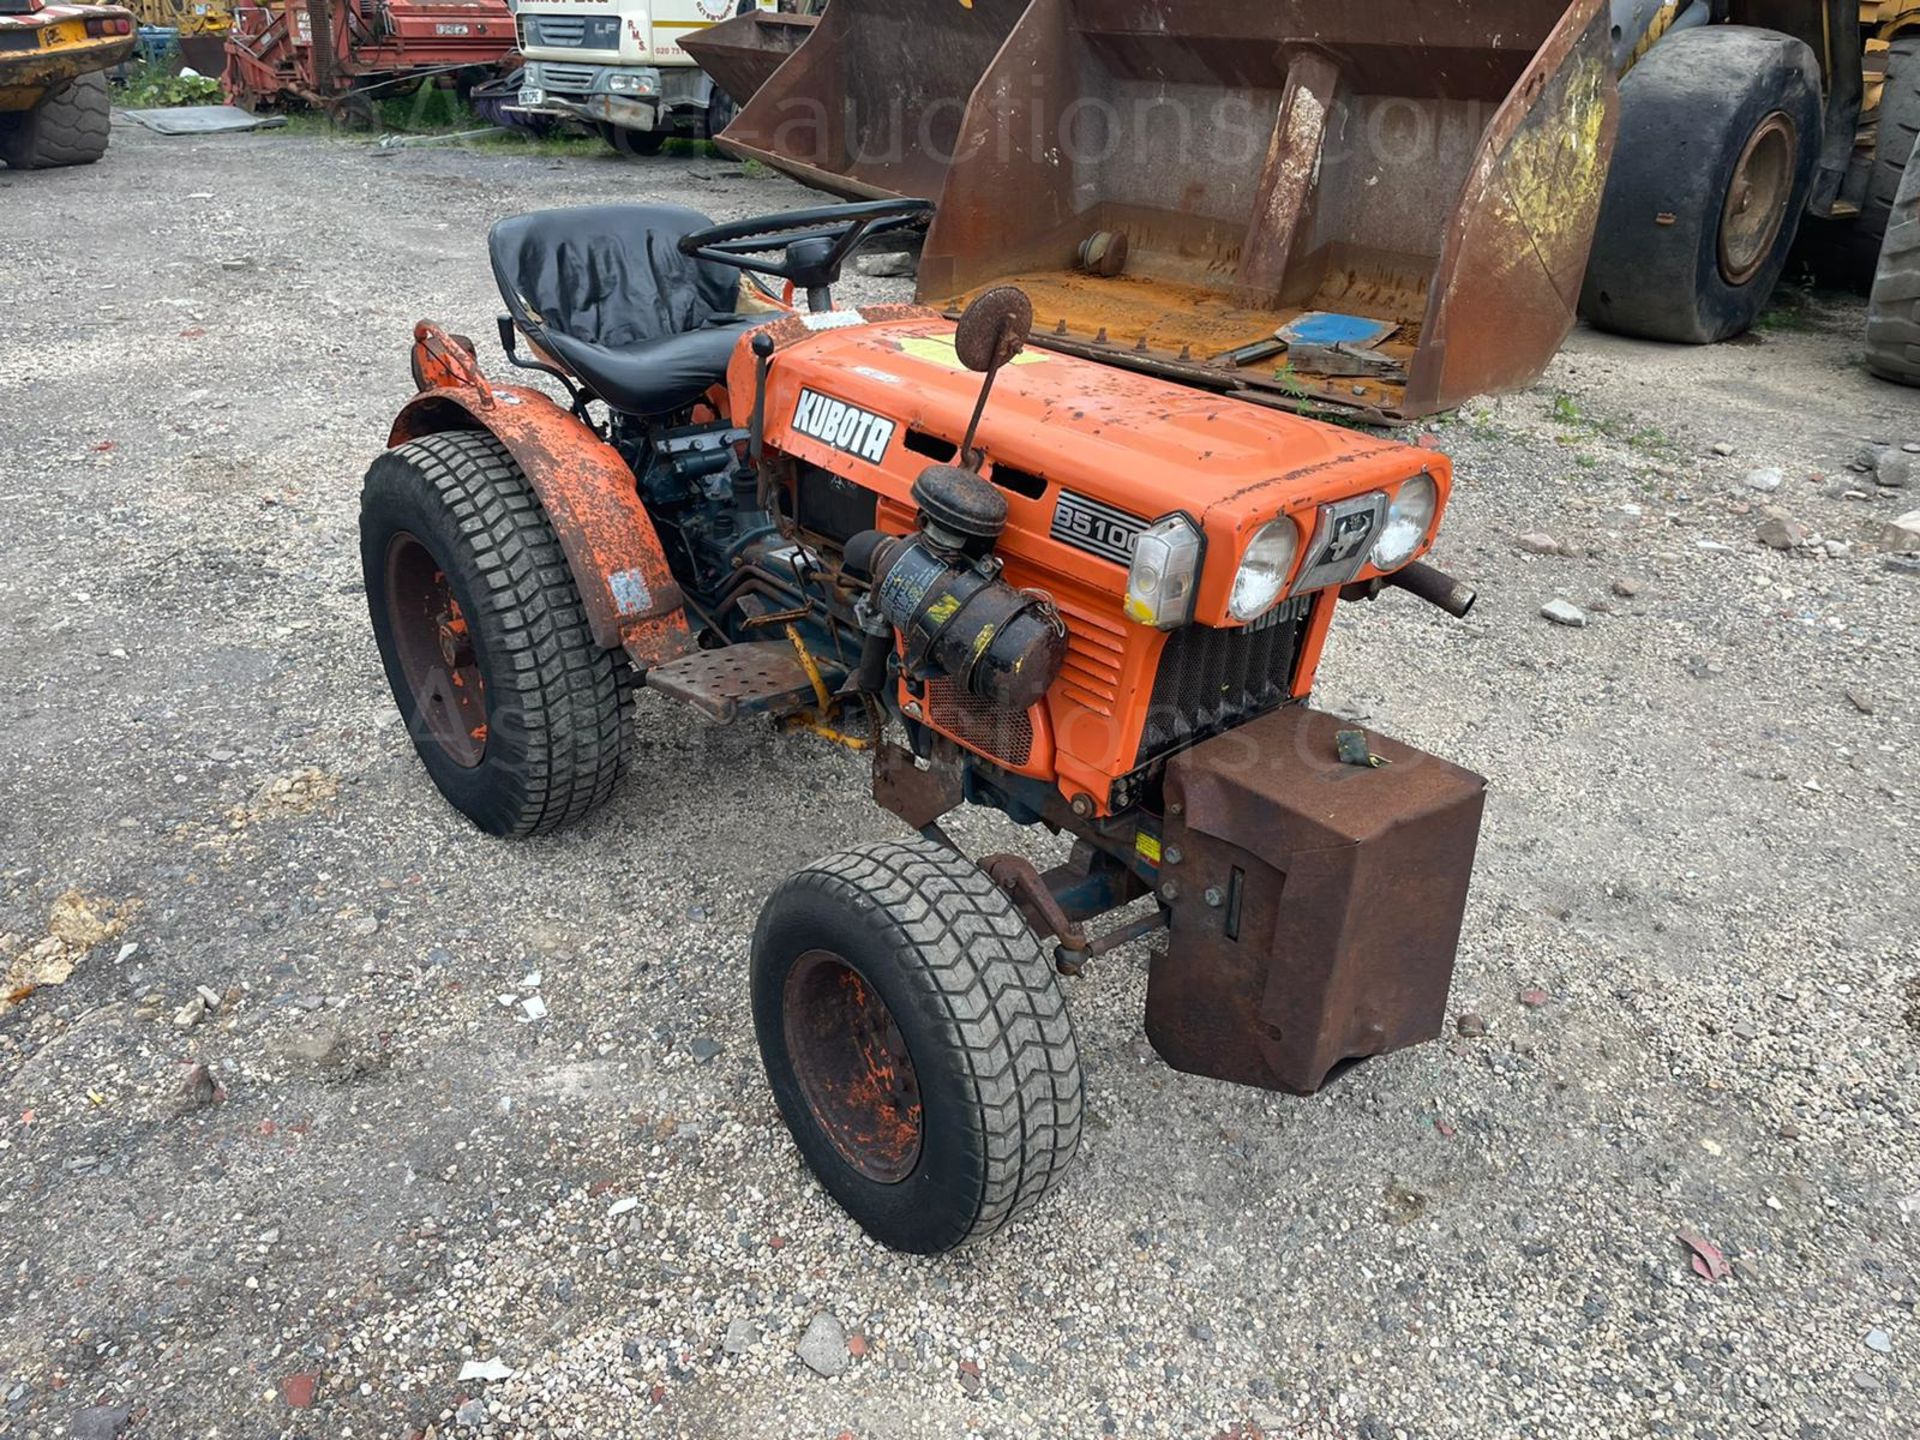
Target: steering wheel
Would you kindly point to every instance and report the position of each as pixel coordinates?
(807, 247)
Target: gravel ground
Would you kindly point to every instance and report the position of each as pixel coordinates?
(299, 1204)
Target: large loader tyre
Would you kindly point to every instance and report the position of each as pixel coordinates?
(917, 1043)
(1898, 139)
(1720, 131)
(1893, 315)
(68, 127)
(520, 718)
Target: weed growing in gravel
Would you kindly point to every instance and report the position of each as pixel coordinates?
(147, 87)
(1621, 430)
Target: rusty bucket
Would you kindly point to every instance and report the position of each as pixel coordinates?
(871, 105)
(741, 54)
(1384, 207)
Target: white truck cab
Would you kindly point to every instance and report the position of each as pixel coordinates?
(617, 66)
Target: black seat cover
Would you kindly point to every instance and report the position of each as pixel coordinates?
(605, 289)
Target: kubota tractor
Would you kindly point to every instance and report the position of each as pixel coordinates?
(53, 80)
(1090, 598)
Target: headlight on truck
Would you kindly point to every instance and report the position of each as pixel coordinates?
(1409, 517)
(1262, 576)
(1165, 573)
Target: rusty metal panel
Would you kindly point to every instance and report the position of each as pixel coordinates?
(1316, 906)
(741, 54)
(1264, 162)
(1507, 289)
(631, 598)
(869, 107)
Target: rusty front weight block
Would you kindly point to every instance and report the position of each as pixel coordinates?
(1316, 907)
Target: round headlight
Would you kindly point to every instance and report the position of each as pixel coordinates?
(1263, 572)
(1408, 518)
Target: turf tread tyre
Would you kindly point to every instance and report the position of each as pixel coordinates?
(971, 971)
(1893, 314)
(69, 127)
(565, 721)
(1687, 111)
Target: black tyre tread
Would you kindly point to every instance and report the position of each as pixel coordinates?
(575, 708)
(1003, 1004)
(1899, 133)
(69, 127)
(643, 143)
(1683, 110)
(1893, 314)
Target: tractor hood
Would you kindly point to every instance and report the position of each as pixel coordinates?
(853, 391)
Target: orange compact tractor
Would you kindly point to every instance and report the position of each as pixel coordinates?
(1087, 597)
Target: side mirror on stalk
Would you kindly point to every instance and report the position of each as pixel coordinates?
(993, 329)
(990, 332)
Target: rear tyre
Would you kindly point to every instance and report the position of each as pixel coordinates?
(633, 142)
(1720, 132)
(1893, 314)
(520, 718)
(68, 127)
(917, 1043)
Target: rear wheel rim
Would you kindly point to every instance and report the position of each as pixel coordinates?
(1756, 205)
(436, 651)
(853, 1067)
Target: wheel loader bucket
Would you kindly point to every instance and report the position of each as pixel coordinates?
(741, 54)
(869, 107)
(1382, 207)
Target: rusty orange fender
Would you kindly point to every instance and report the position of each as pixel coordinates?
(631, 597)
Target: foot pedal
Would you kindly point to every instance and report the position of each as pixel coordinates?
(765, 677)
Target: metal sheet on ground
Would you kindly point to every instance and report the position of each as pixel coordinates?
(202, 120)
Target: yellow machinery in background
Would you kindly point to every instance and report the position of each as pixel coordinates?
(201, 26)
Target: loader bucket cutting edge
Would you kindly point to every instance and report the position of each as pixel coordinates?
(1220, 191)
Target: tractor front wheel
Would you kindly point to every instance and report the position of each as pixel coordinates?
(520, 718)
(1720, 130)
(68, 127)
(917, 1043)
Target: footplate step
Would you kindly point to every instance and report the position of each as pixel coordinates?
(760, 678)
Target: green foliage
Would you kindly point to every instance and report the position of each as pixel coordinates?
(429, 110)
(148, 87)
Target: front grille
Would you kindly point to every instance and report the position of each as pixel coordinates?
(567, 79)
(559, 31)
(991, 729)
(1212, 680)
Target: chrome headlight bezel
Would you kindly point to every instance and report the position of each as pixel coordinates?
(1163, 580)
(1410, 516)
(1266, 565)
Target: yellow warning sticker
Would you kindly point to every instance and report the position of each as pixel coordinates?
(938, 350)
(1147, 847)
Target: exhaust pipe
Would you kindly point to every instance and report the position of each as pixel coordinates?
(1436, 587)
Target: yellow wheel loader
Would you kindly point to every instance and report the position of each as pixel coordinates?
(53, 80)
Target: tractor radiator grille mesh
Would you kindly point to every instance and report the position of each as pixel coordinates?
(1212, 680)
(992, 729)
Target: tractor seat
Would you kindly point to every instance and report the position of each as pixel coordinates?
(605, 290)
